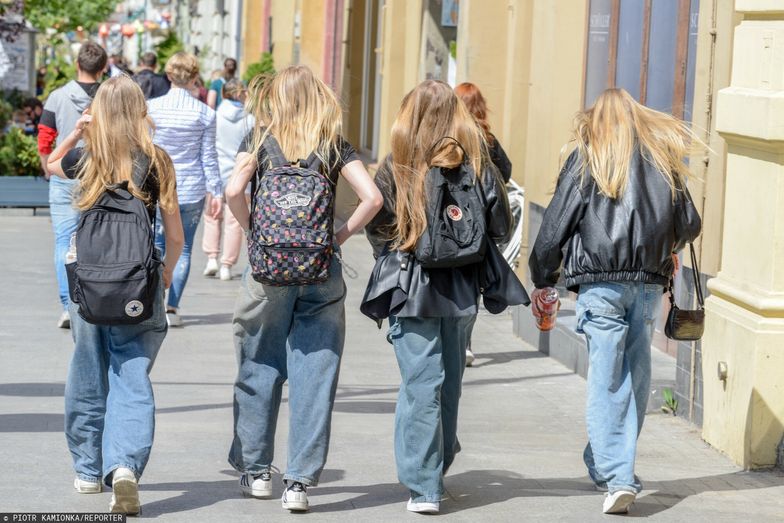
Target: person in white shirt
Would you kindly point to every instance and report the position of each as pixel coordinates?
(233, 124)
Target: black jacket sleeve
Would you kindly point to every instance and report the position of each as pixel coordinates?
(558, 225)
(687, 220)
(499, 215)
(501, 160)
(378, 231)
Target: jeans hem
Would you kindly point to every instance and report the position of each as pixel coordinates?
(308, 482)
(252, 471)
(612, 489)
(88, 478)
(416, 497)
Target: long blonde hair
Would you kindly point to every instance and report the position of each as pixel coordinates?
(428, 114)
(608, 133)
(299, 110)
(119, 129)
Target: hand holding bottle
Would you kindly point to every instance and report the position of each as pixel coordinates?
(544, 306)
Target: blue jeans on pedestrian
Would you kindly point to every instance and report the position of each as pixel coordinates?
(65, 218)
(190, 213)
(293, 333)
(431, 355)
(617, 319)
(109, 404)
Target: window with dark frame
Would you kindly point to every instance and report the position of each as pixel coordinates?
(647, 47)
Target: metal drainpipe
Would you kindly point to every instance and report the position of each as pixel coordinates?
(705, 164)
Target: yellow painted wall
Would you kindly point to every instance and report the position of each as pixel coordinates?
(283, 13)
(252, 32)
(311, 52)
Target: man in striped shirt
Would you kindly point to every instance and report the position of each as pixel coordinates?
(185, 128)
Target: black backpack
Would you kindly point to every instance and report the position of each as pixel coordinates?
(456, 233)
(290, 240)
(114, 279)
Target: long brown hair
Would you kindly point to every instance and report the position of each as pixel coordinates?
(608, 133)
(299, 110)
(428, 114)
(477, 106)
(120, 128)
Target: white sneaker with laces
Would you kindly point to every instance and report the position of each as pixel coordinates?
(225, 273)
(65, 320)
(295, 497)
(212, 267)
(173, 319)
(618, 502)
(125, 493)
(469, 357)
(257, 486)
(423, 507)
(87, 487)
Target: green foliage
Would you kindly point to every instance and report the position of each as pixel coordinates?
(6, 112)
(670, 403)
(67, 15)
(19, 154)
(167, 47)
(453, 49)
(264, 66)
(58, 73)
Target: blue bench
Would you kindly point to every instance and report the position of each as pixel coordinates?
(30, 192)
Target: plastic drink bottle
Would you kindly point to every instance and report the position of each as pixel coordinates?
(548, 304)
(70, 256)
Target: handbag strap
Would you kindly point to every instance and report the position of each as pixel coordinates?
(695, 271)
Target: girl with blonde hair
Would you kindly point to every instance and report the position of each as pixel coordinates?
(623, 208)
(291, 332)
(433, 135)
(109, 406)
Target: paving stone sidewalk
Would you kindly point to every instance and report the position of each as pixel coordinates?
(521, 422)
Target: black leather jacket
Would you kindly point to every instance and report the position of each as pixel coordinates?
(441, 292)
(627, 239)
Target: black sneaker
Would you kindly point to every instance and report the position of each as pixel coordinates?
(295, 497)
(256, 485)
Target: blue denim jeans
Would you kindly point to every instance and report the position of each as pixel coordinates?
(190, 213)
(65, 218)
(617, 319)
(293, 333)
(109, 404)
(431, 355)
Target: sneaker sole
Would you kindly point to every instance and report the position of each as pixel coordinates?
(296, 506)
(256, 493)
(88, 490)
(125, 497)
(622, 504)
(413, 507)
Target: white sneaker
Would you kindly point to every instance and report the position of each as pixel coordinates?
(125, 492)
(212, 267)
(618, 502)
(423, 507)
(257, 486)
(173, 319)
(469, 357)
(65, 320)
(87, 487)
(295, 497)
(225, 273)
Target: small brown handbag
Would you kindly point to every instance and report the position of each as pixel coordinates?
(687, 325)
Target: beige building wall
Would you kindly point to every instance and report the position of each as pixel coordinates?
(253, 27)
(312, 19)
(283, 17)
(744, 408)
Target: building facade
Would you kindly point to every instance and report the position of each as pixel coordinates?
(716, 63)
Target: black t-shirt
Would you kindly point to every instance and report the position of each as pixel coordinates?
(347, 155)
(141, 167)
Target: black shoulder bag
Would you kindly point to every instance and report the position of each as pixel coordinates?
(687, 325)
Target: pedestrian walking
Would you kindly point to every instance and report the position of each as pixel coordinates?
(109, 407)
(436, 146)
(153, 84)
(475, 103)
(215, 94)
(622, 209)
(62, 109)
(233, 124)
(185, 128)
(289, 321)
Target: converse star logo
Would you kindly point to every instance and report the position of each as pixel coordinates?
(134, 308)
(454, 213)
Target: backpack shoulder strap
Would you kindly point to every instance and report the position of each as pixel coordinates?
(274, 152)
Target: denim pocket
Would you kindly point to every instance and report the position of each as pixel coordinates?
(394, 329)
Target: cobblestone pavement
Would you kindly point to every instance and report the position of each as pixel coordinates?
(521, 422)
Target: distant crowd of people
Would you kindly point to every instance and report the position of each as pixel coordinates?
(134, 177)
